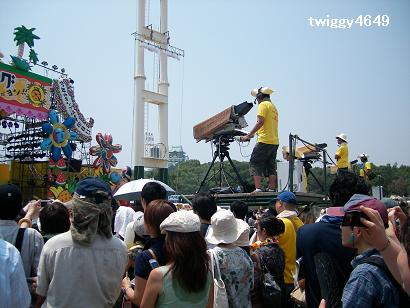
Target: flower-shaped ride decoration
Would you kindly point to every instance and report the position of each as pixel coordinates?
(105, 152)
(58, 136)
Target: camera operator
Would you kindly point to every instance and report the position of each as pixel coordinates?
(263, 158)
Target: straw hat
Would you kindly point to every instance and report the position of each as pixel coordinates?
(342, 137)
(224, 228)
(261, 90)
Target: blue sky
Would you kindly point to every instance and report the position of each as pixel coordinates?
(328, 81)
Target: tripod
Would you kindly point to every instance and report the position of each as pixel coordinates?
(222, 150)
(307, 165)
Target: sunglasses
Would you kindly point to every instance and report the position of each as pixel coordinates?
(352, 219)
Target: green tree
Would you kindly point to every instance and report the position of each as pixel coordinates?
(187, 176)
(317, 185)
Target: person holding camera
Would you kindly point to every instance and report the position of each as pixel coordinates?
(263, 158)
(370, 283)
(28, 241)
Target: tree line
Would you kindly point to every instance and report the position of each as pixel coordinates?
(186, 177)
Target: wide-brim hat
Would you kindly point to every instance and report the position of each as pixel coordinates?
(224, 228)
(243, 239)
(261, 90)
(342, 137)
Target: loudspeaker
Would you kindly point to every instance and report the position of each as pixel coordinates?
(74, 165)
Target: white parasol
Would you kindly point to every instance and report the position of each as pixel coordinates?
(132, 190)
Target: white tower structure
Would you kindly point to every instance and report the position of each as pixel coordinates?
(146, 38)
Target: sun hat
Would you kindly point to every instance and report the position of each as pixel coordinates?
(243, 239)
(224, 228)
(286, 196)
(261, 90)
(182, 221)
(342, 137)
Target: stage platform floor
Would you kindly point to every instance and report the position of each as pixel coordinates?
(263, 199)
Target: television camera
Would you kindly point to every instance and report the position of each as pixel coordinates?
(221, 129)
(228, 123)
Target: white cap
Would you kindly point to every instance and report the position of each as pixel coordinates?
(182, 221)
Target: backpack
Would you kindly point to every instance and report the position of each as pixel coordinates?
(379, 262)
(271, 292)
(19, 239)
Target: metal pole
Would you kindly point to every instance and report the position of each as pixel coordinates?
(291, 161)
(138, 140)
(324, 172)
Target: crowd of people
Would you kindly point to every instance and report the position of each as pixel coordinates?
(77, 254)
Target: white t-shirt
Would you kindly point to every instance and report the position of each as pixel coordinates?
(74, 275)
(30, 247)
(13, 286)
(124, 216)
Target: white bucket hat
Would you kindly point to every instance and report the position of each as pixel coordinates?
(263, 90)
(243, 239)
(224, 228)
(182, 221)
(342, 136)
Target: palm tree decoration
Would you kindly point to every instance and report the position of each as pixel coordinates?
(32, 56)
(23, 36)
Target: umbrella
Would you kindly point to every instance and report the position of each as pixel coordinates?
(132, 190)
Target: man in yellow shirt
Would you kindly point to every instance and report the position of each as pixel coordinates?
(285, 205)
(365, 167)
(263, 158)
(342, 154)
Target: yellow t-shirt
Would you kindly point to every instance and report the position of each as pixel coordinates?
(367, 166)
(268, 133)
(343, 153)
(287, 241)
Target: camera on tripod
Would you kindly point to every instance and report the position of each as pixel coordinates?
(228, 123)
(221, 129)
